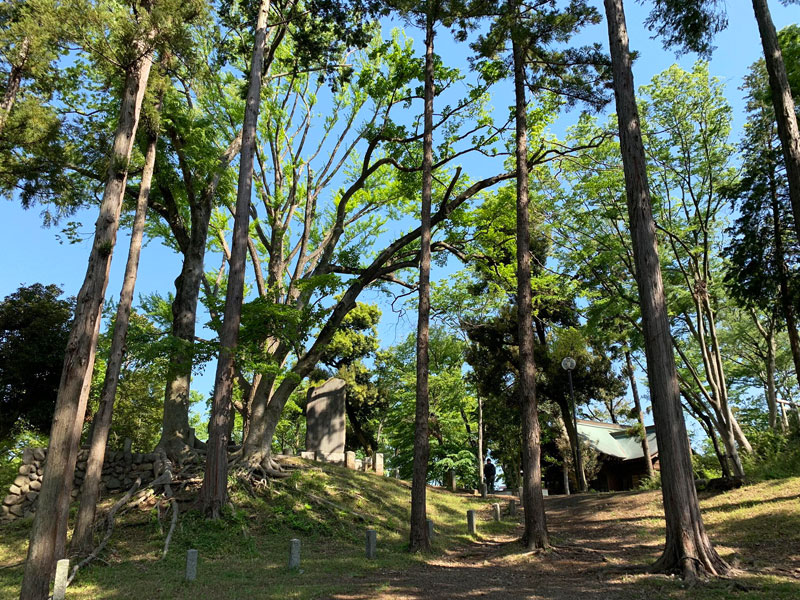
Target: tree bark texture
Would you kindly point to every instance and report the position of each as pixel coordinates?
(637, 403)
(787, 303)
(214, 491)
(175, 423)
(14, 82)
(82, 536)
(535, 534)
(688, 548)
(419, 528)
(480, 439)
(782, 101)
(564, 405)
(48, 534)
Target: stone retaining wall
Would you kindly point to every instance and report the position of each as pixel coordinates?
(347, 459)
(120, 470)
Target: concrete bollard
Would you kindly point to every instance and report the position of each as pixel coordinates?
(62, 574)
(512, 508)
(294, 553)
(484, 490)
(471, 522)
(431, 532)
(496, 511)
(191, 565)
(372, 543)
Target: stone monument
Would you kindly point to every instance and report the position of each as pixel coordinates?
(325, 419)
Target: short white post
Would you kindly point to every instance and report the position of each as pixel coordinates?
(372, 543)
(62, 574)
(496, 511)
(191, 565)
(294, 553)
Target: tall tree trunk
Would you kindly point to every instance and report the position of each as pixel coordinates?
(48, 534)
(480, 440)
(14, 81)
(637, 404)
(687, 547)
(214, 492)
(782, 101)
(175, 423)
(787, 303)
(535, 534)
(772, 395)
(572, 436)
(419, 529)
(82, 542)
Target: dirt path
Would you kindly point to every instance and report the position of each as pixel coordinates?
(599, 553)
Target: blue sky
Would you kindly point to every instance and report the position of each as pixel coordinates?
(31, 253)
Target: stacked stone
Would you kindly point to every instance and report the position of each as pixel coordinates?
(120, 470)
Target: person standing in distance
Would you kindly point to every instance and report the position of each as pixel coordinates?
(489, 472)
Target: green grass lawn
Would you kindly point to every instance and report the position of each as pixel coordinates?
(246, 554)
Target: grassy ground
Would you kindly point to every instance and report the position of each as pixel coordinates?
(604, 544)
(246, 554)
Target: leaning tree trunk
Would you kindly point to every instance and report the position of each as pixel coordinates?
(214, 492)
(687, 547)
(640, 415)
(782, 101)
(14, 82)
(48, 534)
(419, 528)
(535, 535)
(82, 542)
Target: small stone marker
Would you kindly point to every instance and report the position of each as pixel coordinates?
(372, 543)
(62, 574)
(519, 492)
(471, 522)
(350, 460)
(484, 490)
(496, 511)
(294, 553)
(377, 464)
(191, 565)
(451, 480)
(431, 532)
(512, 508)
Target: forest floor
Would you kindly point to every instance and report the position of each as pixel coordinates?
(603, 544)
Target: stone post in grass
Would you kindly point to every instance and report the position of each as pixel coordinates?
(62, 574)
(191, 565)
(294, 554)
(471, 522)
(372, 543)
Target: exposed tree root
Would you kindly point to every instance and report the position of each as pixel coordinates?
(165, 478)
(109, 529)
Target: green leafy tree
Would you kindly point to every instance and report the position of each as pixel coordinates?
(34, 327)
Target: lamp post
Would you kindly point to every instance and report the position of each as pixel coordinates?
(568, 364)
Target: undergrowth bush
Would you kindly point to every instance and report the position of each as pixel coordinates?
(651, 483)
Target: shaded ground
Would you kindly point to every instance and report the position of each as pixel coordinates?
(603, 545)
